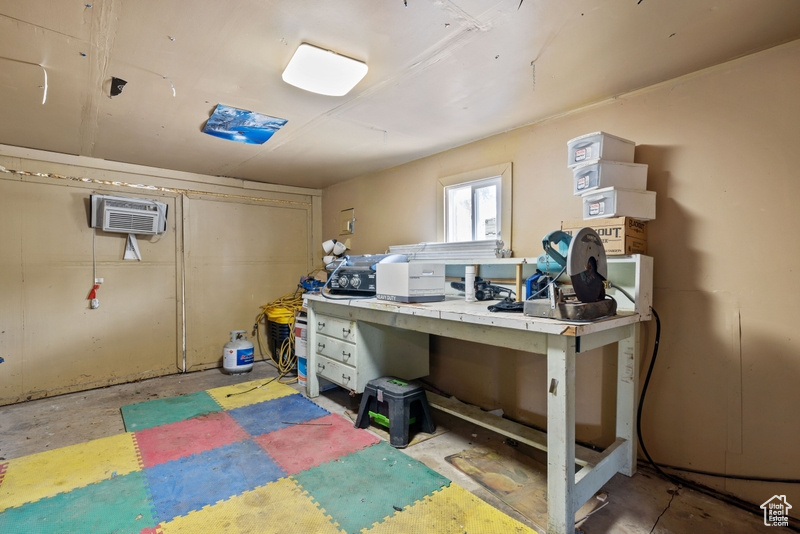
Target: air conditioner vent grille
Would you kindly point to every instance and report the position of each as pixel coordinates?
(130, 222)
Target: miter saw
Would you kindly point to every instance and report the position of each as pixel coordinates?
(586, 267)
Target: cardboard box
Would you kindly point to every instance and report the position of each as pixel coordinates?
(621, 235)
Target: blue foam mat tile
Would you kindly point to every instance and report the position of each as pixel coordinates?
(267, 416)
(187, 484)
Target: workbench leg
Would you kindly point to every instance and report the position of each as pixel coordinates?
(628, 351)
(560, 434)
(312, 382)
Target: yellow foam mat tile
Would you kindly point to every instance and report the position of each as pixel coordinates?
(279, 507)
(452, 510)
(35, 477)
(246, 393)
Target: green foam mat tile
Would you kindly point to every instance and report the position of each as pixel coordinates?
(119, 504)
(158, 412)
(365, 487)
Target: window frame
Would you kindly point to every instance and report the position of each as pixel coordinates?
(473, 188)
(503, 171)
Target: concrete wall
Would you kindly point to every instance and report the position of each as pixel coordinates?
(230, 247)
(721, 146)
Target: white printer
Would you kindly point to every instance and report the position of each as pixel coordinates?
(410, 282)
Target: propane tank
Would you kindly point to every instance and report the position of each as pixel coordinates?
(237, 355)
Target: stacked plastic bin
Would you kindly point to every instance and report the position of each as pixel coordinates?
(607, 179)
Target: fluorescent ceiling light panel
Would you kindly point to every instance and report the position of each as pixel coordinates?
(322, 71)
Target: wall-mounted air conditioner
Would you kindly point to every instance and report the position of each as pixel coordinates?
(128, 215)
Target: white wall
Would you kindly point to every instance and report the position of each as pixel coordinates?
(230, 247)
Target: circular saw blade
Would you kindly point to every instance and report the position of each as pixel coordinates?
(587, 266)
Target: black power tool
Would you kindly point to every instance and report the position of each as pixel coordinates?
(484, 290)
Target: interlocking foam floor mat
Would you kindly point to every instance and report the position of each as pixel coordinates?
(247, 458)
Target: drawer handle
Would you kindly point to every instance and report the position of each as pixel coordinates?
(320, 367)
(346, 355)
(321, 324)
(345, 378)
(320, 347)
(345, 331)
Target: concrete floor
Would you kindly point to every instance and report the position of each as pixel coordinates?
(644, 503)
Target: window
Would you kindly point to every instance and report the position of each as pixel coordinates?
(472, 210)
(476, 205)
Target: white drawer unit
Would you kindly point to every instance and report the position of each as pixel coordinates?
(336, 327)
(599, 145)
(336, 349)
(336, 372)
(613, 202)
(351, 353)
(599, 174)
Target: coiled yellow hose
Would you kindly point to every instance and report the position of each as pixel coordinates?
(283, 310)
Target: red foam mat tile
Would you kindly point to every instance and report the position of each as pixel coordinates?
(335, 436)
(161, 444)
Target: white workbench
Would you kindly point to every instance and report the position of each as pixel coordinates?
(561, 342)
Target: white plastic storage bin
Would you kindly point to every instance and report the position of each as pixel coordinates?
(599, 145)
(613, 202)
(599, 174)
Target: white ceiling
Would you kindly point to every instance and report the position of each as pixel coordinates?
(442, 73)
